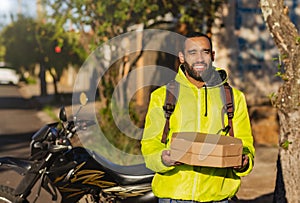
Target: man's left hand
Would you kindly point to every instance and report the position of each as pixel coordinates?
(245, 162)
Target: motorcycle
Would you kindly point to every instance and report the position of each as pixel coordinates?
(74, 173)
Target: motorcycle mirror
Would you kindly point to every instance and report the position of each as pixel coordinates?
(83, 99)
(63, 114)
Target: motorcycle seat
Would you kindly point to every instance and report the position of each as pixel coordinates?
(138, 173)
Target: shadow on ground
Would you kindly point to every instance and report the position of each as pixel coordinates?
(267, 198)
(15, 142)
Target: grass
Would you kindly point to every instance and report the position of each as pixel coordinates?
(49, 110)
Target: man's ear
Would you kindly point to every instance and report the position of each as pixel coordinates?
(181, 57)
(213, 55)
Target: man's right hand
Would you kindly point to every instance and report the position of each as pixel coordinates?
(166, 159)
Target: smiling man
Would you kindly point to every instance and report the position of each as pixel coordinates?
(200, 108)
(197, 58)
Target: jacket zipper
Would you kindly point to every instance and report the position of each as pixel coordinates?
(199, 110)
(198, 130)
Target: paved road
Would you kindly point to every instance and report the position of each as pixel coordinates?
(18, 122)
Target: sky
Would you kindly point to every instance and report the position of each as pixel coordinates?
(12, 7)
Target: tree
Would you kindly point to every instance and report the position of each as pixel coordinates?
(55, 51)
(99, 21)
(107, 19)
(287, 101)
(19, 42)
(28, 42)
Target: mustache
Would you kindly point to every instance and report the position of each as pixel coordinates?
(199, 63)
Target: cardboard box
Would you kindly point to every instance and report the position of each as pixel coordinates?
(206, 149)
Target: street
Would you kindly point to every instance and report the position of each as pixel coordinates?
(18, 122)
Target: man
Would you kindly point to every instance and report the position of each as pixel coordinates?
(198, 109)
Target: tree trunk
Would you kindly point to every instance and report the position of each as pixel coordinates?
(287, 101)
(43, 83)
(54, 79)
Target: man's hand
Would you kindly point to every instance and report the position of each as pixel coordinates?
(245, 162)
(166, 159)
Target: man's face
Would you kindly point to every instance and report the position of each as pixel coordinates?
(197, 57)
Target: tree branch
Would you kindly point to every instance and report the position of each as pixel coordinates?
(276, 17)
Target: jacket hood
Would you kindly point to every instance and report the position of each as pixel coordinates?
(215, 77)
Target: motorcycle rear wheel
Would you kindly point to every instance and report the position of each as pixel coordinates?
(7, 195)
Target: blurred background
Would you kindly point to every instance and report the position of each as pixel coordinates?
(44, 43)
(47, 41)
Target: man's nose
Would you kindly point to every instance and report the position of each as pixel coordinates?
(200, 56)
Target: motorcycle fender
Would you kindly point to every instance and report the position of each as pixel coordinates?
(146, 198)
(21, 166)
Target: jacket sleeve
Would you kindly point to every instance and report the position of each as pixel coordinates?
(242, 130)
(151, 142)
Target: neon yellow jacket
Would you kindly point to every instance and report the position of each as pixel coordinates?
(188, 182)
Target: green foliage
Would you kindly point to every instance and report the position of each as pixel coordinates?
(110, 18)
(114, 135)
(298, 40)
(50, 112)
(30, 80)
(280, 69)
(48, 40)
(273, 98)
(19, 42)
(28, 42)
(2, 50)
(285, 145)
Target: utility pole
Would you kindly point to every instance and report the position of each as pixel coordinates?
(139, 64)
(19, 12)
(39, 10)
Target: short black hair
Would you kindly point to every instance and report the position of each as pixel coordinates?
(196, 34)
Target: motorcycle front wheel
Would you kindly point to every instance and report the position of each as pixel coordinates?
(7, 195)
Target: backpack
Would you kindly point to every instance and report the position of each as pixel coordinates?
(172, 93)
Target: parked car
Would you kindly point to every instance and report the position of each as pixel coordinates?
(8, 76)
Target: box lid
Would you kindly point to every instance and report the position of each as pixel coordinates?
(206, 144)
(208, 161)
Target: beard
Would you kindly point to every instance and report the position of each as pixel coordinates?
(202, 76)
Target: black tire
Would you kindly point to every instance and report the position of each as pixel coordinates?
(7, 195)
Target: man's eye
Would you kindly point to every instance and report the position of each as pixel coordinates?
(192, 52)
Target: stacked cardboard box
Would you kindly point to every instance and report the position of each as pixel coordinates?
(206, 149)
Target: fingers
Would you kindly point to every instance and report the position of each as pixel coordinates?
(166, 159)
(245, 161)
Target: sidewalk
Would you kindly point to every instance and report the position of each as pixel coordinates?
(33, 90)
(259, 185)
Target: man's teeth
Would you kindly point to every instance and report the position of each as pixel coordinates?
(199, 67)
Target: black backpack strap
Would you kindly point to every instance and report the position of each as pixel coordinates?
(229, 108)
(172, 93)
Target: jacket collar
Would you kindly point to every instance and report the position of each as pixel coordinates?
(218, 77)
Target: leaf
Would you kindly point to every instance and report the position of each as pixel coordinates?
(298, 40)
(285, 145)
